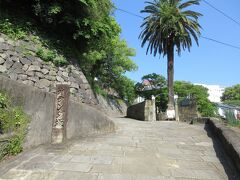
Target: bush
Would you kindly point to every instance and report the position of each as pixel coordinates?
(12, 121)
(51, 56)
(12, 30)
(231, 119)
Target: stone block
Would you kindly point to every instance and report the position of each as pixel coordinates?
(65, 74)
(52, 73)
(78, 167)
(22, 76)
(34, 68)
(8, 64)
(3, 55)
(17, 65)
(71, 79)
(34, 79)
(44, 71)
(39, 74)
(15, 58)
(25, 61)
(76, 176)
(3, 68)
(74, 85)
(37, 63)
(30, 73)
(50, 78)
(13, 76)
(73, 90)
(25, 67)
(2, 60)
(59, 73)
(59, 79)
(42, 83)
(28, 82)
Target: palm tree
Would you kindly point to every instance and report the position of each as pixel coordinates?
(168, 26)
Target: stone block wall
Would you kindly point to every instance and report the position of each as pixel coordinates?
(83, 120)
(145, 111)
(31, 70)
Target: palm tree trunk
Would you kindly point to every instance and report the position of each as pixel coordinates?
(170, 71)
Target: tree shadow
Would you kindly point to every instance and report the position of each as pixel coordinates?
(222, 155)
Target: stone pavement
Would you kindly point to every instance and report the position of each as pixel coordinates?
(137, 151)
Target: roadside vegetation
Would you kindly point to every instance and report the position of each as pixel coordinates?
(231, 120)
(231, 96)
(158, 86)
(13, 126)
(80, 31)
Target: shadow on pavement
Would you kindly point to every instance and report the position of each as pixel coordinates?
(222, 156)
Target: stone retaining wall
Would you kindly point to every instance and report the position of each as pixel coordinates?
(187, 112)
(18, 65)
(229, 139)
(83, 119)
(144, 111)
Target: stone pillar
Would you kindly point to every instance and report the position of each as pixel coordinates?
(150, 110)
(60, 117)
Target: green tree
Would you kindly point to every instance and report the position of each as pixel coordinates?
(231, 95)
(87, 31)
(158, 88)
(168, 26)
(125, 89)
(198, 93)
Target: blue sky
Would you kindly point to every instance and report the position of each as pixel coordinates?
(210, 63)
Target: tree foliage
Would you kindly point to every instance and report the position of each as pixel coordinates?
(231, 93)
(81, 29)
(169, 25)
(199, 93)
(157, 87)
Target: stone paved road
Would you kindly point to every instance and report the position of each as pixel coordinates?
(137, 151)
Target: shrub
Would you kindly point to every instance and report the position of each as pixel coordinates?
(231, 119)
(51, 56)
(13, 121)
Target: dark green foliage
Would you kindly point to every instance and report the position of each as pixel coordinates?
(169, 23)
(48, 55)
(12, 121)
(158, 89)
(77, 29)
(232, 95)
(125, 88)
(199, 93)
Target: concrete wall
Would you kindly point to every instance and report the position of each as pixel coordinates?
(136, 111)
(145, 111)
(84, 120)
(229, 139)
(112, 106)
(39, 105)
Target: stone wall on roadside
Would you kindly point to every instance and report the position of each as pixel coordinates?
(18, 65)
(113, 106)
(144, 111)
(83, 120)
(187, 110)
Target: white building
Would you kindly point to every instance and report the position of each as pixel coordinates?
(215, 92)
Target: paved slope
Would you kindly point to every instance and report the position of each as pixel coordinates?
(137, 151)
